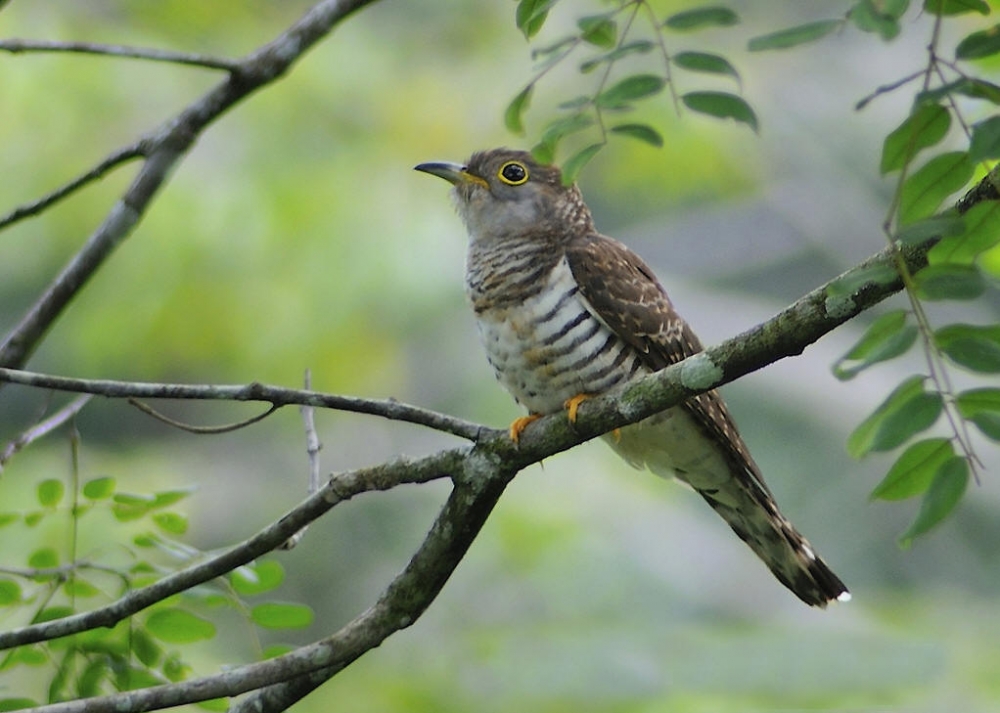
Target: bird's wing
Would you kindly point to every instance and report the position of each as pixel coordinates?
(622, 291)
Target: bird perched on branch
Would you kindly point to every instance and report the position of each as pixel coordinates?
(566, 313)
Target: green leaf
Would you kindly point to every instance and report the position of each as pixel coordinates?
(926, 126)
(974, 347)
(882, 18)
(705, 62)
(530, 16)
(794, 36)
(984, 43)
(166, 498)
(711, 16)
(16, 704)
(88, 682)
(576, 162)
(52, 613)
(275, 650)
(43, 558)
(982, 232)
(942, 496)
(6, 518)
(80, 588)
(598, 30)
(50, 492)
(925, 190)
(857, 279)
(258, 578)
(538, 52)
(561, 128)
(277, 615)
(950, 282)
(10, 592)
(939, 226)
(513, 116)
(215, 704)
(956, 7)
(721, 105)
(638, 86)
(144, 648)
(642, 132)
(908, 410)
(634, 47)
(179, 626)
(982, 407)
(545, 151)
(886, 338)
(99, 488)
(171, 522)
(914, 470)
(985, 143)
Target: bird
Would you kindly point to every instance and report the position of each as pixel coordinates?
(565, 313)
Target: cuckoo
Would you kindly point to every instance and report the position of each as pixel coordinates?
(566, 313)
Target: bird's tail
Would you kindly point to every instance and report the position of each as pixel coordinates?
(755, 517)
(668, 445)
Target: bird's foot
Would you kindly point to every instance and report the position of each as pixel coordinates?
(571, 405)
(519, 424)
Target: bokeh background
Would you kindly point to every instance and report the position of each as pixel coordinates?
(296, 236)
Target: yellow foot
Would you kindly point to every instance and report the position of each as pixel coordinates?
(520, 424)
(617, 435)
(571, 405)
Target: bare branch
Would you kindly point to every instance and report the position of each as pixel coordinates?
(163, 148)
(276, 395)
(16, 46)
(43, 428)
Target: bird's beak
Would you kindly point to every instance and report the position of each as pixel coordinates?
(454, 173)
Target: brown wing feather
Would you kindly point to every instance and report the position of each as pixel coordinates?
(625, 293)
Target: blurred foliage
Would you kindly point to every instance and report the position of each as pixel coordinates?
(295, 235)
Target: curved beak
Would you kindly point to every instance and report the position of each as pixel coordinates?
(454, 173)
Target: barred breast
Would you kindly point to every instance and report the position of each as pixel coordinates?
(546, 345)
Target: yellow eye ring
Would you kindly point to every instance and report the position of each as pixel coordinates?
(513, 173)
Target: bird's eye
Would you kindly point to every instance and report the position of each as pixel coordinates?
(513, 173)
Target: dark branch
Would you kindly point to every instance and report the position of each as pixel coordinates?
(275, 395)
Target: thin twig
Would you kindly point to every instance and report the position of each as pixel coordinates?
(43, 428)
(16, 46)
(201, 430)
(313, 447)
(276, 395)
(113, 160)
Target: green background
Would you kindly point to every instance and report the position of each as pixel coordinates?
(295, 235)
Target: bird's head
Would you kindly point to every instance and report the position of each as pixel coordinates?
(505, 194)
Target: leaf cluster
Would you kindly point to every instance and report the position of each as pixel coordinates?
(137, 652)
(611, 42)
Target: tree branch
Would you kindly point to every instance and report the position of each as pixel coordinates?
(16, 46)
(164, 147)
(43, 428)
(277, 396)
